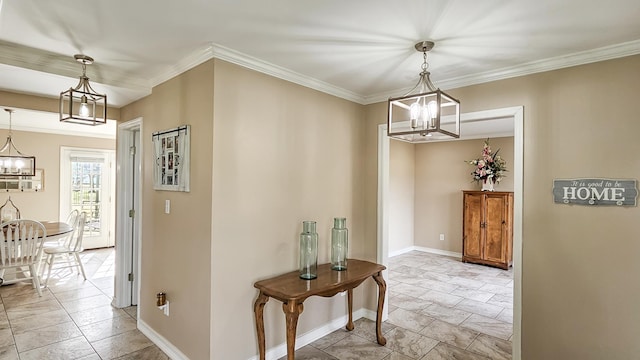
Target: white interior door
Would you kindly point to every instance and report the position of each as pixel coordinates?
(87, 184)
(129, 213)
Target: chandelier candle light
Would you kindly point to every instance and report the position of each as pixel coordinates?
(16, 164)
(425, 113)
(489, 168)
(81, 105)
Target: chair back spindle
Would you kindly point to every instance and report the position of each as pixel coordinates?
(75, 240)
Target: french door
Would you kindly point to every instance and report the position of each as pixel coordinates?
(87, 184)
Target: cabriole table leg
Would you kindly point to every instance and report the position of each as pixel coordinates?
(350, 306)
(382, 289)
(258, 310)
(291, 311)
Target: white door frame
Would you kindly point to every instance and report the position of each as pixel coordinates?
(125, 250)
(517, 113)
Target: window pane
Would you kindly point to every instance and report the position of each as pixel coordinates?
(85, 190)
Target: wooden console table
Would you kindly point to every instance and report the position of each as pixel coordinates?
(293, 291)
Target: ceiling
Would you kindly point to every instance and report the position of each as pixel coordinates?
(361, 50)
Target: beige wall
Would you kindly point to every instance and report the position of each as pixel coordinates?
(402, 180)
(282, 154)
(441, 175)
(45, 205)
(176, 247)
(578, 300)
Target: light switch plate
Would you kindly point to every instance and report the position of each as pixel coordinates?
(167, 206)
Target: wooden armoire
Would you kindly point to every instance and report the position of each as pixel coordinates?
(487, 230)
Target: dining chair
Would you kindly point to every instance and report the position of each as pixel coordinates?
(21, 248)
(72, 218)
(68, 254)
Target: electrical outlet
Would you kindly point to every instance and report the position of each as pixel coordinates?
(165, 308)
(441, 237)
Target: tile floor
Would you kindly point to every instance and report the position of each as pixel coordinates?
(73, 319)
(439, 309)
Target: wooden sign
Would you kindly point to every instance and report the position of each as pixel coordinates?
(620, 192)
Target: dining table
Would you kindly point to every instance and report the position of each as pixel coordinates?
(56, 230)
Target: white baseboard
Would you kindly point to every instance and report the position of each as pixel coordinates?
(273, 353)
(172, 352)
(307, 338)
(427, 250)
(401, 251)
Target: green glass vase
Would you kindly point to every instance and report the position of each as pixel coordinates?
(339, 244)
(308, 251)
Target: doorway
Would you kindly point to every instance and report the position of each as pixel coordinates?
(87, 184)
(515, 113)
(128, 213)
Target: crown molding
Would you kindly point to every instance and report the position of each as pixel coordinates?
(220, 52)
(575, 59)
(250, 62)
(195, 58)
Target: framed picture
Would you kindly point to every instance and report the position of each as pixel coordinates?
(171, 150)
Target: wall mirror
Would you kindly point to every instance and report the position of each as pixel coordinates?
(23, 183)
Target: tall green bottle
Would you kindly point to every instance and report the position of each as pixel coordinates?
(339, 244)
(308, 251)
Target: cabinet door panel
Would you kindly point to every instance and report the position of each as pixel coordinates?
(495, 249)
(472, 237)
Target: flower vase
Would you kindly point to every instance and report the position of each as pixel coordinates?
(487, 185)
(339, 244)
(308, 251)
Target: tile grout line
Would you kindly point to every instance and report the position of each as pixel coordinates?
(52, 297)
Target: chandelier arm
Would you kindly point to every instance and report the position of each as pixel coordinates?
(6, 144)
(428, 84)
(91, 91)
(424, 83)
(80, 84)
(16, 149)
(420, 82)
(10, 145)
